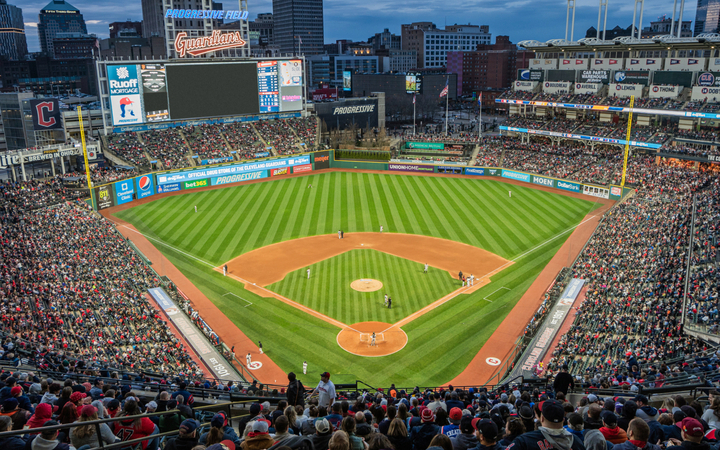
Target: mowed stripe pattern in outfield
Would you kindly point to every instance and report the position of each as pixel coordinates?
(328, 290)
(235, 220)
(442, 342)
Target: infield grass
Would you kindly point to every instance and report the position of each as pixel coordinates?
(528, 228)
(329, 291)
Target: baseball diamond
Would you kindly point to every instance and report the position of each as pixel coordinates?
(270, 232)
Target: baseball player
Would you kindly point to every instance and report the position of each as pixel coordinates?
(510, 194)
(304, 367)
(339, 234)
(225, 270)
(372, 342)
(389, 302)
(426, 267)
(381, 228)
(195, 208)
(248, 359)
(260, 346)
(308, 271)
(386, 299)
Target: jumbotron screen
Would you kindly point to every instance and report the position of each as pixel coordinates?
(145, 93)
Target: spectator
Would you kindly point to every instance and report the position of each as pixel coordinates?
(638, 434)
(220, 430)
(47, 440)
(551, 431)
(295, 390)
(466, 439)
(514, 427)
(18, 415)
(692, 437)
(323, 433)
(712, 414)
(563, 381)
(610, 429)
(486, 431)
(422, 435)
(187, 437)
(87, 434)
(10, 442)
(141, 427)
(339, 441)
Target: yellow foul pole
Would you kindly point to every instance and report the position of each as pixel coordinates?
(87, 166)
(627, 142)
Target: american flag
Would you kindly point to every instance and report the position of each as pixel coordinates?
(444, 92)
(413, 99)
(480, 99)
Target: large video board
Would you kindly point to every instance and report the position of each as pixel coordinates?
(145, 93)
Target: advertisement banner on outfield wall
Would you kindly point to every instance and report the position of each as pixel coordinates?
(425, 145)
(549, 182)
(449, 169)
(171, 187)
(493, 172)
(596, 191)
(303, 168)
(144, 186)
(124, 191)
(196, 184)
(516, 175)
(568, 186)
(479, 171)
(279, 172)
(321, 160)
(234, 169)
(104, 197)
(411, 168)
(239, 177)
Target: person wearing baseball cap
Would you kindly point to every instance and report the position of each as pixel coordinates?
(323, 433)
(259, 438)
(466, 439)
(551, 433)
(453, 429)
(486, 431)
(325, 390)
(610, 429)
(692, 434)
(421, 435)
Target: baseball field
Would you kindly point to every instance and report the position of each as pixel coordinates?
(271, 233)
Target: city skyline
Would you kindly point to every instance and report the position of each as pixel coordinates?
(516, 18)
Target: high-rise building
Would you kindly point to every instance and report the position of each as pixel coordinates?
(432, 44)
(298, 26)
(127, 28)
(13, 44)
(707, 16)
(58, 16)
(385, 40)
(263, 26)
(152, 23)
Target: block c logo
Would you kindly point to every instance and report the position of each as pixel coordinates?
(45, 112)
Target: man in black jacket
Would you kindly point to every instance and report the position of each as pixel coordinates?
(563, 381)
(295, 391)
(486, 431)
(692, 434)
(551, 434)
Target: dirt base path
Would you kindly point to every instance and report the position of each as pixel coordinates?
(221, 325)
(270, 264)
(501, 344)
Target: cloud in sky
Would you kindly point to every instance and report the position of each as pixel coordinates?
(358, 20)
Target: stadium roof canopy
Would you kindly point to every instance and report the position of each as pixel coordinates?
(704, 41)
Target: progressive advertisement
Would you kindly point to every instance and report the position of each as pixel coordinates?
(341, 115)
(144, 186)
(225, 172)
(239, 177)
(515, 175)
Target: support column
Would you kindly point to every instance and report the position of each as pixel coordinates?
(62, 164)
(22, 165)
(52, 165)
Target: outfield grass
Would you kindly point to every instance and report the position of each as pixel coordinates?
(442, 342)
(328, 291)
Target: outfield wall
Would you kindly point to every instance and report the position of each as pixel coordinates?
(140, 187)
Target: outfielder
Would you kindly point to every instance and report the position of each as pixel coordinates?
(381, 228)
(308, 271)
(426, 267)
(304, 367)
(195, 208)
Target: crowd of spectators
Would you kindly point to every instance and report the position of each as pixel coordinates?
(72, 291)
(306, 129)
(100, 175)
(279, 134)
(206, 141)
(126, 146)
(243, 139)
(517, 95)
(166, 146)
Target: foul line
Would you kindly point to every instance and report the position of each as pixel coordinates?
(496, 290)
(247, 301)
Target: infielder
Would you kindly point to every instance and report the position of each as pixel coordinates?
(386, 299)
(248, 359)
(339, 234)
(260, 346)
(225, 270)
(381, 228)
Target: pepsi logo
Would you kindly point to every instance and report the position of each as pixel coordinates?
(144, 183)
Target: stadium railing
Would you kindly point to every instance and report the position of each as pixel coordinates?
(225, 407)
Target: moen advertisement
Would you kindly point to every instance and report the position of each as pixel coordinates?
(124, 191)
(145, 186)
(239, 177)
(104, 197)
(223, 171)
(549, 182)
(322, 160)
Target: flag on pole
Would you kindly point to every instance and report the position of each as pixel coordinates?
(444, 92)
(413, 99)
(300, 38)
(480, 99)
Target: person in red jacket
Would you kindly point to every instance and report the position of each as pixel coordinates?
(130, 429)
(610, 429)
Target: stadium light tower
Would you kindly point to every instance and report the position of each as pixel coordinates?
(571, 5)
(642, 9)
(603, 3)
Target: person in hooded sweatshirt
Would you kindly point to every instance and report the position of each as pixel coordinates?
(610, 429)
(645, 411)
(551, 433)
(486, 432)
(466, 439)
(43, 413)
(10, 442)
(638, 434)
(692, 434)
(48, 439)
(594, 440)
(187, 437)
(51, 396)
(576, 425)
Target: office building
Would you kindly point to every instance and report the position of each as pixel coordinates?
(74, 45)
(328, 69)
(58, 16)
(397, 61)
(12, 119)
(263, 26)
(152, 23)
(13, 44)
(386, 40)
(707, 16)
(119, 29)
(298, 26)
(663, 25)
(432, 44)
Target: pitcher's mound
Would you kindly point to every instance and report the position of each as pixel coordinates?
(357, 339)
(366, 285)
